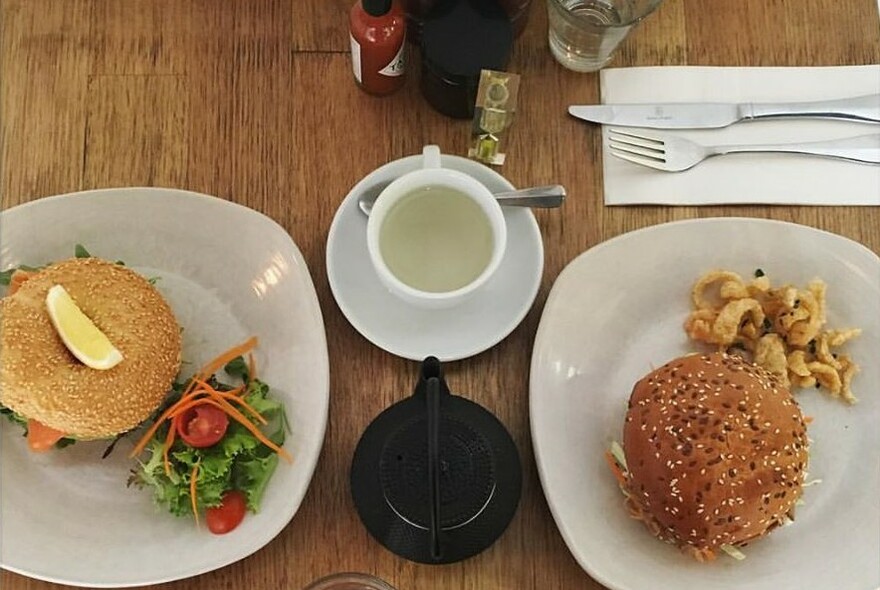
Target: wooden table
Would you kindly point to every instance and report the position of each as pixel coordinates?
(253, 101)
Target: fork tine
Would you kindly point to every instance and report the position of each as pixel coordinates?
(656, 147)
(646, 143)
(632, 148)
(630, 137)
(645, 138)
(656, 164)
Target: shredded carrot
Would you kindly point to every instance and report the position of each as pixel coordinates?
(252, 367)
(205, 389)
(220, 362)
(192, 491)
(241, 419)
(204, 373)
(191, 403)
(145, 439)
(166, 448)
(221, 396)
(230, 409)
(615, 469)
(232, 397)
(235, 391)
(199, 392)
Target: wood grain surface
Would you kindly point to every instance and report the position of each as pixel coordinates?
(253, 101)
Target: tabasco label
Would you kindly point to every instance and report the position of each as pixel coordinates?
(397, 66)
(356, 59)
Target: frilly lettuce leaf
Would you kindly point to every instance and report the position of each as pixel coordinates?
(239, 461)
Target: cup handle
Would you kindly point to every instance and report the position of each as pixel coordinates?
(431, 157)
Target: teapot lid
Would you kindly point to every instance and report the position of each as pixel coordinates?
(436, 478)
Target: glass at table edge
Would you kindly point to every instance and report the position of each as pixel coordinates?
(351, 581)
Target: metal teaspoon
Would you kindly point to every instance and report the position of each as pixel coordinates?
(539, 196)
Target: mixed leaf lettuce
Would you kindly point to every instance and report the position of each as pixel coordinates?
(239, 461)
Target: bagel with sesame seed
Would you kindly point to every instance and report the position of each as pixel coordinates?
(716, 453)
(41, 380)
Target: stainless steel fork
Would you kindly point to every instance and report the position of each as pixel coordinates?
(674, 154)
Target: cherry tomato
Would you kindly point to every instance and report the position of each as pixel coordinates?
(228, 515)
(202, 426)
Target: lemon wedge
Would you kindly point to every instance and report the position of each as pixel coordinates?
(80, 335)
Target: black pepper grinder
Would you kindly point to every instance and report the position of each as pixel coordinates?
(459, 39)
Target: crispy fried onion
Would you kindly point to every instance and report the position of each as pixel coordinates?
(846, 376)
(770, 354)
(797, 363)
(781, 327)
(698, 293)
(699, 324)
(727, 324)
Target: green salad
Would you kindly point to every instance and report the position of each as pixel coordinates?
(198, 459)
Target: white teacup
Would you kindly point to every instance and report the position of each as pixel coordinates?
(435, 235)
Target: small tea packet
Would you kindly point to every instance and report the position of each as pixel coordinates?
(493, 115)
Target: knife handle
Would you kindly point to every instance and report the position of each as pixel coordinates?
(859, 108)
(863, 148)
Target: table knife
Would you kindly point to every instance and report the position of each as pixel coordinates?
(716, 115)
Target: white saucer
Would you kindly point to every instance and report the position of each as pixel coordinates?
(449, 334)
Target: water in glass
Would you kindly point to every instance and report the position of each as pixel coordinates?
(584, 33)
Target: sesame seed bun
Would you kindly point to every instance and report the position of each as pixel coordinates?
(716, 451)
(41, 380)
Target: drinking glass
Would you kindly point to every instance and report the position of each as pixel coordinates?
(349, 581)
(585, 33)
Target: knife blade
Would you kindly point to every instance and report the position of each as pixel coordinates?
(715, 115)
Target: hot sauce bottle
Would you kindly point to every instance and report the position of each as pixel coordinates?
(378, 31)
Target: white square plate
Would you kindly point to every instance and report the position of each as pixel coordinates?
(228, 272)
(615, 313)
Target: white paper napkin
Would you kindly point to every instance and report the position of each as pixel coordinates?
(745, 178)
